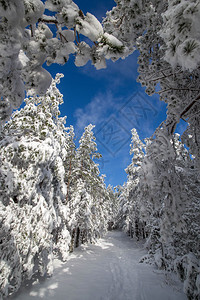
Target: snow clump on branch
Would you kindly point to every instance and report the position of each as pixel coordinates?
(27, 42)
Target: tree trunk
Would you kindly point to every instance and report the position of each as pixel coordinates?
(77, 242)
(68, 182)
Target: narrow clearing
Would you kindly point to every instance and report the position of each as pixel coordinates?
(108, 270)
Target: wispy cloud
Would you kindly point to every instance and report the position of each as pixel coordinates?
(95, 112)
(114, 118)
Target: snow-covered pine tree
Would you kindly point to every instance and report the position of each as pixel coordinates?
(87, 216)
(33, 210)
(80, 218)
(102, 199)
(112, 207)
(122, 213)
(134, 226)
(174, 200)
(166, 192)
(70, 162)
(166, 203)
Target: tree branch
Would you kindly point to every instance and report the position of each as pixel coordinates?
(190, 106)
(184, 112)
(178, 89)
(165, 76)
(75, 35)
(49, 21)
(31, 27)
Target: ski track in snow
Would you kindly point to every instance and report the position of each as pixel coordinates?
(108, 270)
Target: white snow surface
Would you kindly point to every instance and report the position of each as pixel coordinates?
(108, 270)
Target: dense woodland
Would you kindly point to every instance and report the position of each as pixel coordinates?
(52, 195)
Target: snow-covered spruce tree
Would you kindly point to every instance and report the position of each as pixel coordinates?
(33, 210)
(87, 214)
(28, 40)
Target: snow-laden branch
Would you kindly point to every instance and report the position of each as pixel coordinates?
(28, 41)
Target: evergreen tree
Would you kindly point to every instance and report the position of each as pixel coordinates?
(70, 162)
(133, 223)
(88, 210)
(33, 211)
(112, 207)
(160, 202)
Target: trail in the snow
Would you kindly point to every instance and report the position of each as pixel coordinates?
(109, 270)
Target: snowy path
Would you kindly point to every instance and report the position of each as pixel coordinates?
(108, 270)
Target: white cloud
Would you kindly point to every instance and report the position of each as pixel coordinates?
(95, 112)
(108, 111)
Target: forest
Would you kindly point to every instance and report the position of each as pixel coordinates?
(52, 195)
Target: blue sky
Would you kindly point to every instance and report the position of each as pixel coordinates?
(112, 100)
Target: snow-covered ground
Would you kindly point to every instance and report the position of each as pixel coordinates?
(108, 270)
